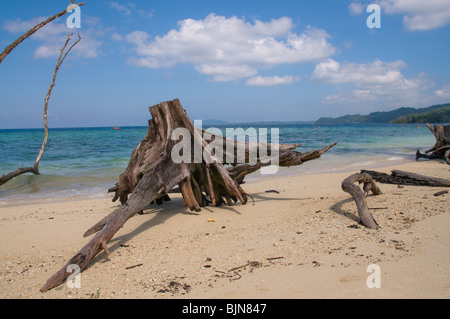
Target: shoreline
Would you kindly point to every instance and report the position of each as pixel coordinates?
(316, 167)
(302, 242)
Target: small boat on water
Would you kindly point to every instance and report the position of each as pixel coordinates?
(116, 128)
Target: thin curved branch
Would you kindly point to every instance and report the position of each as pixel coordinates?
(61, 59)
(35, 169)
(32, 31)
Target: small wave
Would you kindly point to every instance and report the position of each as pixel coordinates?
(48, 188)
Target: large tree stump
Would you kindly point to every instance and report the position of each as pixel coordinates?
(152, 173)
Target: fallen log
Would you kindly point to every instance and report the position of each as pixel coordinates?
(155, 169)
(369, 186)
(407, 178)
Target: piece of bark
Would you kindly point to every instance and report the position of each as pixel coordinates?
(358, 195)
(440, 193)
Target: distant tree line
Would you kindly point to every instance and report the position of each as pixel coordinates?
(441, 115)
(432, 114)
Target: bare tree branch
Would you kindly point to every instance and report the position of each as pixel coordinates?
(21, 170)
(35, 169)
(47, 98)
(33, 30)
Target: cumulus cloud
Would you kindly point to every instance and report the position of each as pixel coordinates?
(120, 7)
(372, 81)
(116, 36)
(377, 72)
(230, 48)
(54, 34)
(355, 8)
(444, 92)
(272, 80)
(129, 9)
(419, 14)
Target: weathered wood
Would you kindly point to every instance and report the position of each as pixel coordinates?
(441, 149)
(440, 193)
(407, 178)
(162, 174)
(152, 173)
(62, 56)
(156, 182)
(21, 170)
(357, 194)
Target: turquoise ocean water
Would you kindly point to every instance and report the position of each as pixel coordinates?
(85, 162)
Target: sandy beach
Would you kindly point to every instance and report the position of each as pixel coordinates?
(300, 240)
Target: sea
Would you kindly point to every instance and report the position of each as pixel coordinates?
(86, 162)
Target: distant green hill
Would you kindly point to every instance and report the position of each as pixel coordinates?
(440, 115)
(385, 117)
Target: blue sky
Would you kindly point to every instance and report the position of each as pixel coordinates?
(237, 61)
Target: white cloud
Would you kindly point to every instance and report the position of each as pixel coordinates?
(53, 36)
(371, 81)
(225, 73)
(272, 80)
(355, 8)
(419, 14)
(377, 72)
(444, 92)
(128, 9)
(116, 36)
(119, 7)
(230, 48)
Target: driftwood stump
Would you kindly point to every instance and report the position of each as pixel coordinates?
(441, 149)
(152, 173)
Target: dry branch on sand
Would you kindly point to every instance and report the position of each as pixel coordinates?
(369, 186)
(397, 177)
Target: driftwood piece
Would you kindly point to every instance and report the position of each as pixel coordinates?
(152, 173)
(358, 195)
(407, 178)
(441, 149)
(21, 170)
(440, 193)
